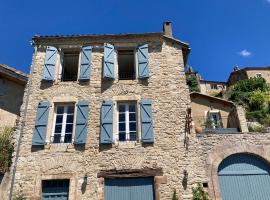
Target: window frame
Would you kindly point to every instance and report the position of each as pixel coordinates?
(64, 123)
(127, 122)
(258, 75)
(60, 69)
(217, 113)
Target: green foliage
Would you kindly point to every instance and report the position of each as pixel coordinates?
(174, 195)
(254, 94)
(193, 83)
(198, 193)
(6, 149)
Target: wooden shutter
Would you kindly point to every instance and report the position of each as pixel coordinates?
(49, 65)
(143, 66)
(108, 65)
(39, 137)
(85, 66)
(146, 121)
(106, 123)
(81, 122)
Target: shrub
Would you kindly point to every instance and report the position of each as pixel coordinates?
(6, 149)
(193, 83)
(174, 195)
(198, 193)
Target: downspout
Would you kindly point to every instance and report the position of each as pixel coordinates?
(22, 123)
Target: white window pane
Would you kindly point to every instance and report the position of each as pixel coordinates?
(122, 117)
(57, 138)
(69, 118)
(131, 108)
(122, 136)
(68, 138)
(70, 109)
(132, 116)
(132, 126)
(122, 126)
(133, 136)
(60, 110)
(69, 128)
(122, 108)
(58, 128)
(59, 119)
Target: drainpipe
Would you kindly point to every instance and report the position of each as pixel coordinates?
(22, 123)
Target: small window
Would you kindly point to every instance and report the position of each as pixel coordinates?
(214, 86)
(259, 75)
(127, 122)
(214, 120)
(70, 66)
(55, 189)
(63, 123)
(126, 64)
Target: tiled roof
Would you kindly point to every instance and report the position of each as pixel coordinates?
(13, 73)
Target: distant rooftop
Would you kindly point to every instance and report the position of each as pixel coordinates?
(13, 73)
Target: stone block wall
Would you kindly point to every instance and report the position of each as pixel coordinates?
(164, 160)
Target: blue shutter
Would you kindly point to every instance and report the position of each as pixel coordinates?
(146, 121)
(106, 123)
(85, 67)
(143, 65)
(49, 65)
(81, 122)
(108, 65)
(39, 137)
(2, 87)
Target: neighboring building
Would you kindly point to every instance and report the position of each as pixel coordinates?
(249, 72)
(212, 87)
(12, 84)
(215, 114)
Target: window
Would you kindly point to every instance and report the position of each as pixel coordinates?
(55, 189)
(214, 120)
(63, 123)
(127, 122)
(70, 66)
(214, 86)
(126, 64)
(259, 75)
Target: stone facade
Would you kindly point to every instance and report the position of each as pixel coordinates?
(167, 89)
(211, 87)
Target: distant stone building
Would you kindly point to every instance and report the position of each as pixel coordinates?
(12, 85)
(212, 87)
(248, 72)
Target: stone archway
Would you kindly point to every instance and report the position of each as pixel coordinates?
(222, 151)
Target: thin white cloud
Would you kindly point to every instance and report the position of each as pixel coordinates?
(245, 53)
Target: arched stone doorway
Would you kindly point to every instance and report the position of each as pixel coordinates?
(244, 176)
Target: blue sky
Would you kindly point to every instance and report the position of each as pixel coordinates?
(221, 33)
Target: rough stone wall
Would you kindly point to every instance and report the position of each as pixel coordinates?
(265, 74)
(164, 159)
(206, 88)
(206, 151)
(10, 102)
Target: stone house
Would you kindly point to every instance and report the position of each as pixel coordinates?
(216, 115)
(12, 84)
(212, 87)
(248, 72)
(108, 117)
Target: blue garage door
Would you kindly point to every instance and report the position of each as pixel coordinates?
(244, 177)
(55, 189)
(129, 189)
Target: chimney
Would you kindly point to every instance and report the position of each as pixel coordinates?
(167, 29)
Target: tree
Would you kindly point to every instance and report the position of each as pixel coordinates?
(6, 149)
(193, 83)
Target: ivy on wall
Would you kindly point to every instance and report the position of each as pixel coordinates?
(6, 149)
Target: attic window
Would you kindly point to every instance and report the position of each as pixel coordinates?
(70, 66)
(126, 64)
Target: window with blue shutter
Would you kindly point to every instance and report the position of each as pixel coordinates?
(108, 64)
(39, 137)
(146, 121)
(81, 122)
(143, 65)
(85, 66)
(106, 122)
(49, 65)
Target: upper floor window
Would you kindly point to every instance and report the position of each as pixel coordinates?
(127, 122)
(63, 123)
(259, 75)
(126, 64)
(214, 86)
(70, 66)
